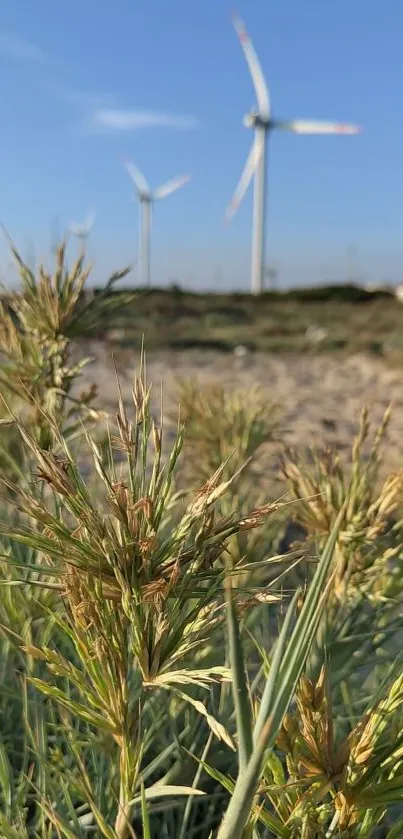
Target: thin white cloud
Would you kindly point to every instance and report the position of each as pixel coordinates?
(81, 99)
(123, 119)
(100, 112)
(18, 48)
(100, 115)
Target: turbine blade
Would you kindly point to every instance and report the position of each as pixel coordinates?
(137, 177)
(246, 177)
(75, 229)
(259, 82)
(83, 229)
(89, 221)
(171, 186)
(55, 235)
(310, 126)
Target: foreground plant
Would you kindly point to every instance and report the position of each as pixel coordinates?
(224, 424)
(257, 732)
(363, 622)
(140, 586)
(232, 427)
(144, 689)
(364, 545)
(37, 325)
(334, 786)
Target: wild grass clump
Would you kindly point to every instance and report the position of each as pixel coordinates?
(37, 325)
(231, 429)
(162, 673)
(362, 625)
(224, 424)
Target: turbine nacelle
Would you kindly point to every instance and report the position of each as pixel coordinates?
(254, 119)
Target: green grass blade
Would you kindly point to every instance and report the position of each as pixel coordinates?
(6, 781)
(396, 831)
(284, 683)
(240, 691)
(196, 780)
(145, 815)
(163, 790)
(270, 687)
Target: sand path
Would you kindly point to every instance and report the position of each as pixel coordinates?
(321, 396)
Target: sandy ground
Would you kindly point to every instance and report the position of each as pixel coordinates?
(321, 396)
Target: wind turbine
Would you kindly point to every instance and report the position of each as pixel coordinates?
(55, 236)
(261, 120)
(146, 198)
(83, 230)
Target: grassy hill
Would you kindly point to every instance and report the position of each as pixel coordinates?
(350, 318)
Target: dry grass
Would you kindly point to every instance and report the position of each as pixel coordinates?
(164, 671)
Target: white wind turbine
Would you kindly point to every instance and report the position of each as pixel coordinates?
(261, 120)
(146, 198)
(83, 230)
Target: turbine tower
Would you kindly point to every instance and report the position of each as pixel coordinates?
(83, 230)
(261, 120)
(146, 198)
(55, 236)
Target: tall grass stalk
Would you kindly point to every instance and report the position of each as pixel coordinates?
(141, 589)
(145, 690)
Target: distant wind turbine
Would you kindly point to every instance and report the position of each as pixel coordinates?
(55, 236)
(261, 120)
(31, 255)
(146, 198)
(83, 230)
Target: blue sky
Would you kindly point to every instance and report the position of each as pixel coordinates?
(69, 68)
